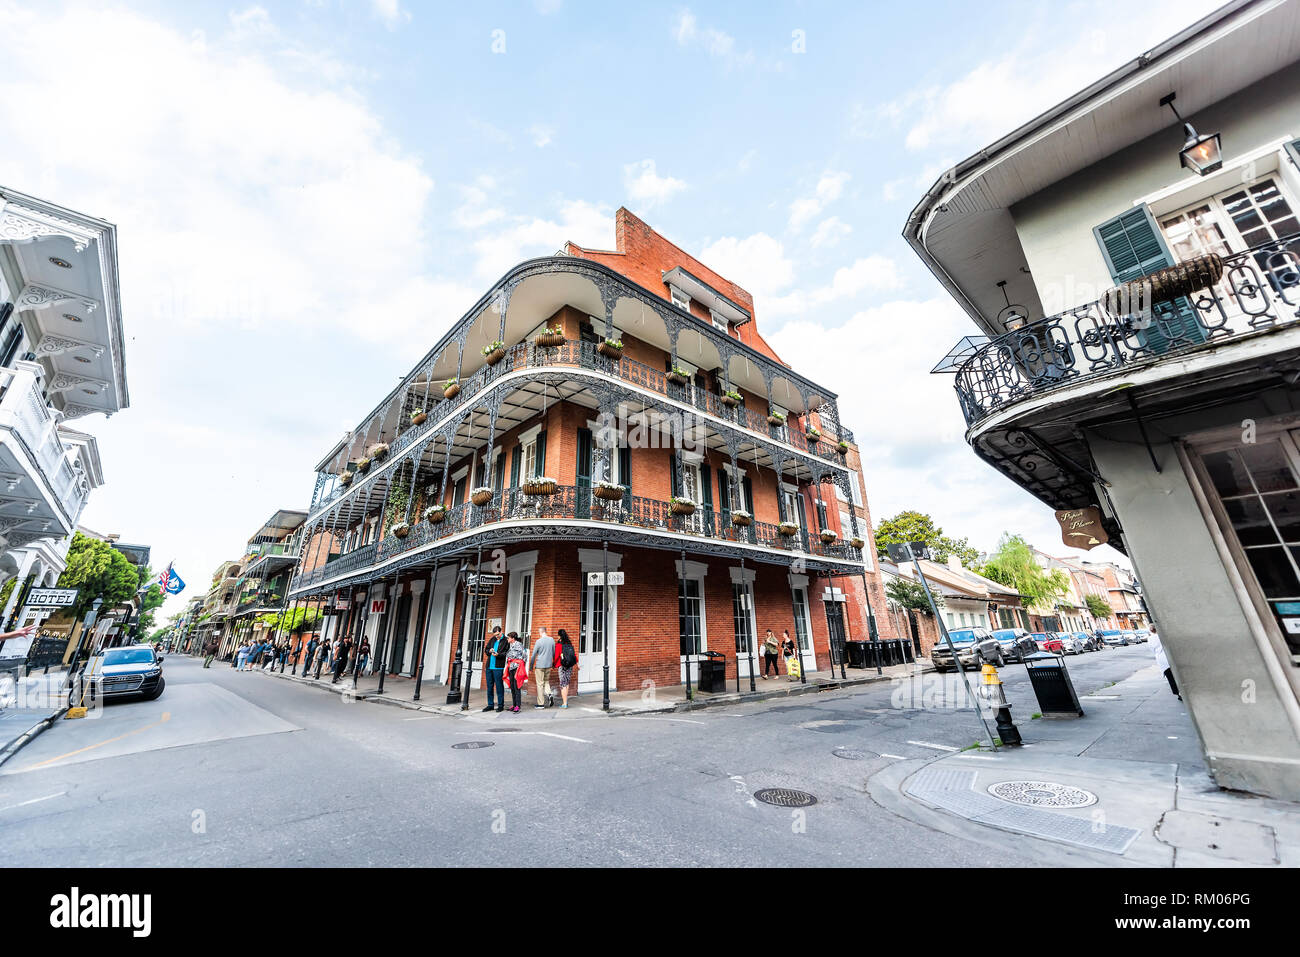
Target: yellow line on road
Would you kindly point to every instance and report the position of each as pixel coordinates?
(167, 716)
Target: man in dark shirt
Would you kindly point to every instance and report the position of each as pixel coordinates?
(494, 660)
(341, 659)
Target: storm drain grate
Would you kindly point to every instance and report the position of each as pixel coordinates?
(472, 745)
(785, 797)
(1042, 794)
(853, 754)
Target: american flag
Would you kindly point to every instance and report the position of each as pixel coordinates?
(165, 578)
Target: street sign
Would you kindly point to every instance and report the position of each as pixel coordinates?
(1081, 527)
(483, 578)
(52, 597)
(615, 578)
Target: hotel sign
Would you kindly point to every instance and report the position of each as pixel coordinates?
(1081, 527)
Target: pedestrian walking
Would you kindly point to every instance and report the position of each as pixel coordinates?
(791, 654)
(242, 655)
(494, 664)
(770, 649)
(516, 670)
(209, 652)
(364, 652)
(568, 657)
(312, 645)
(341, 658)
(541, 662)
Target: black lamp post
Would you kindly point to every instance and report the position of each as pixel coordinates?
(1200, 154)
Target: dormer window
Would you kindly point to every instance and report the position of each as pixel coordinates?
(680, 299)
(720, 322)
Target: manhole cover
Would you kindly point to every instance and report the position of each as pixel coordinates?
(1042, 794)
(785, 797)
(852, 754)
(471, 745)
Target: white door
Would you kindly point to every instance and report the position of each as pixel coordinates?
(440, 622)
(593, 635)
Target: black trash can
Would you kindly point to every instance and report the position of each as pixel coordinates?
(1052, 686)
(713, 671)
(858, 653)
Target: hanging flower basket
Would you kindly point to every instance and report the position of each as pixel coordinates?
(451, 389)
(741, 518)
(363, 466)
(609, 491)
(681, 506)
(812, 435)
(775, 419)
(828, 537)
(435, 514)
(611, 349)
(419, 417)
(731, 399)
(857, 543)
(400, 530)
(788, 529)
(540, 485)
(842, 447)
(550, 337)
(345, 478)
(481, 496)
(678, 376)
(494, 352)
(1182, 279)
(377, 452)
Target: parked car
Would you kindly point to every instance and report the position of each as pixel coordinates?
(1072, 643)
(134, 670)
(1143, 634)
(974, 646)
(1047, 641)
(1090, 642)
(1016, 643)
(1113, 638)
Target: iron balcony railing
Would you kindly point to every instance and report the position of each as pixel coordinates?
(1258, 291)
(583, 355)
(578, 503)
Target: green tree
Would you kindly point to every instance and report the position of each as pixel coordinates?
(1013, 565)
(910, 594)
(1099, 606)
(100, 571)
(912, 526)
(292, 621)
(150, 601)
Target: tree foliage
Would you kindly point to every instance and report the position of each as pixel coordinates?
(100, 571)
(913, 526)
(1013, 565)
(1099, 606)
(292, 621)
(910, 594)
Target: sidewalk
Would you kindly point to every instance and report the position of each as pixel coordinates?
(27, 706)
(1125, 785)
(400, 691)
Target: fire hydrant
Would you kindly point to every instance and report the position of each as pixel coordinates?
(996, 699)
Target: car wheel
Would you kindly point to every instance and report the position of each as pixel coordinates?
(162, 683)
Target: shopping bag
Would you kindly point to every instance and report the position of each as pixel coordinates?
(792, 666)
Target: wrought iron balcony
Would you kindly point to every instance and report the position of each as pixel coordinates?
(633, 512)
(583, 355)
(1259, 290)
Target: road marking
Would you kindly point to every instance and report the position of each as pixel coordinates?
(167, 716)
(423, 717)
(655, 717)
(565, 737)
(896, 757)
(33, 801)
(977, 757)
(936, 747)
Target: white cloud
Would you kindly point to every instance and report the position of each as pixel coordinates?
(716, 43)
(757, 263)
(646, 188)
(684, 29)
(829, 187)
(829, 232)
(584, 223)
(542, 134)
(390, 12)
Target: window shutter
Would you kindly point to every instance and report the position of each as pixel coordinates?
(673, 485)
(706, 480)
(749, 495)
(515, 461)
(501, 471)
(780, 502)
(541, 452)
(625, 474)
(1133, 247)
(724, 494)
(583, 474)
(803, 519)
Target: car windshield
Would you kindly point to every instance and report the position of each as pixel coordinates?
(128, 656)
(1004, 633)
(962, 636)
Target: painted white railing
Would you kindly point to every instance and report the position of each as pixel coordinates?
(25, 413)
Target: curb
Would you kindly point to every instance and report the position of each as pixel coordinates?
(727, 698)
(18, 743)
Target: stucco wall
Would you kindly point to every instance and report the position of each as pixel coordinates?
(1055, 225)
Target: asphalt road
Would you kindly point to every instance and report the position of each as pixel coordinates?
(231, 769)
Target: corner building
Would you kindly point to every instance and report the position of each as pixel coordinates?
(526, 445)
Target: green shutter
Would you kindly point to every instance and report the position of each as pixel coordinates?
(515, 461)
(582, 496)
(673, 486)
(625, 474)
(706, 480)
(541, 453)
(1133, 247)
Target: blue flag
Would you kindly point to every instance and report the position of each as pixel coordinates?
(171, 582)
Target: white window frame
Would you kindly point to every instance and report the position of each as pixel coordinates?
(680, 299)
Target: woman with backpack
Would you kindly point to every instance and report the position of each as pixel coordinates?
(568, 660)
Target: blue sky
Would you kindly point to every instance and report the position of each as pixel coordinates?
(308, 192)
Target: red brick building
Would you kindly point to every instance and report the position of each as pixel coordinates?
(597, 409)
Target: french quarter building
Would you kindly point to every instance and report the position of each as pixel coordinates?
(596, 411)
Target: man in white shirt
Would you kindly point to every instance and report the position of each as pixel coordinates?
(540, 662)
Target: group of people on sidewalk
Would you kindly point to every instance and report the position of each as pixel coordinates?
(786, 649)
(507, 662)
